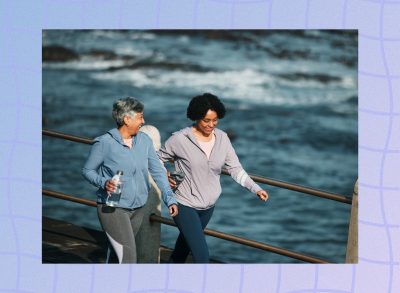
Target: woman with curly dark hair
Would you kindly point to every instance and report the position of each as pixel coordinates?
(200, 151)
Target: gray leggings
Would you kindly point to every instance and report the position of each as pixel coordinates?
(121, 226)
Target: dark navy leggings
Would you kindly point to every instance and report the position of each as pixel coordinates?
(191, 223)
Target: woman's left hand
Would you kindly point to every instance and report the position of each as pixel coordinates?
(171, 181)
(263, 195)
(173, 210)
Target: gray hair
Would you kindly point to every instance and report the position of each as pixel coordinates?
(125, 107)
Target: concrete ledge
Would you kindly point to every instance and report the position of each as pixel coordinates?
(64, 242)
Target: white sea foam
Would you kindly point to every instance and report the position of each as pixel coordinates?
(142, 36)
(245, 84)
(110, 34)
(86, 63)
(130, 50)
(118, 35)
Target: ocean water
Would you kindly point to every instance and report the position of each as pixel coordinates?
(291, 99)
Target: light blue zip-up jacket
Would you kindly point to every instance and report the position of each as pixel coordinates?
(201, 187)
(109, 154)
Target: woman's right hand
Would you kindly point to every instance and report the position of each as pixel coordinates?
(110, 186)
(171, 181)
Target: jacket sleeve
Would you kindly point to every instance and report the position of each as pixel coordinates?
(166, 152)
(94, 161)
(236, 170)
(158, 172)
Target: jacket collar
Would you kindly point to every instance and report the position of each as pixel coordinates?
(189, 134)
(115, 134)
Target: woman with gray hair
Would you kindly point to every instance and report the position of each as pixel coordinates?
(126, 149)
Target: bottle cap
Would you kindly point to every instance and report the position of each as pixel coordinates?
(119, 172)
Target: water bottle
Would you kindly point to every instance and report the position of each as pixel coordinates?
(114, 197)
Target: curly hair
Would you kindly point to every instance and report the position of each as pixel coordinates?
(199, 106)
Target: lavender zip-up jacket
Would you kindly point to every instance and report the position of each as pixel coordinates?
(201, 187)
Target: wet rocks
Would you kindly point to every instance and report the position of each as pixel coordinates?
(57, 53)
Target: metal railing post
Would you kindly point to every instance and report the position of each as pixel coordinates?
(352, 241)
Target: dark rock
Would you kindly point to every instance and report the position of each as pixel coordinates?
(346, 61)
(104, 54)
(167, 65)
(323, 78)
(58, 54)
(230, 36)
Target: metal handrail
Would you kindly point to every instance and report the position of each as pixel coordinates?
(298, 188)
(256, 178)
(247, 242)
(68, 197)
(210, 232)
(61, 135)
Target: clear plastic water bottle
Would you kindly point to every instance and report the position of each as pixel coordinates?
(114, 197)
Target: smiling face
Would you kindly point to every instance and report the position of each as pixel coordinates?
(133, 123)
(207, 124)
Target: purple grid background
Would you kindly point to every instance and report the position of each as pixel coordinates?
(379, 145)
